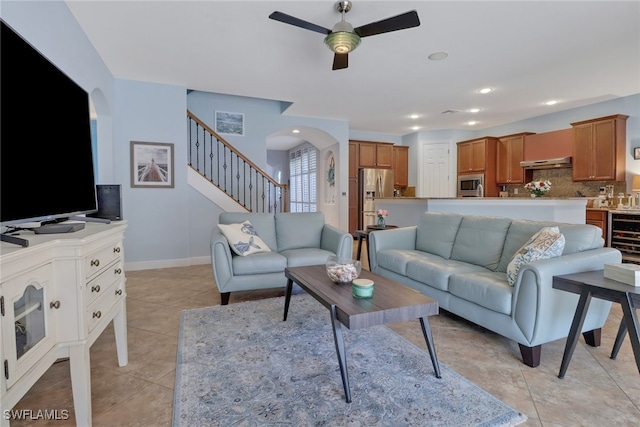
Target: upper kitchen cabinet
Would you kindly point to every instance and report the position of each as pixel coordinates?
(510, 152)
(599, 149)
(375, 154)
(400, 166)
(477, 156)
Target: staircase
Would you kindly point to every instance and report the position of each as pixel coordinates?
(232, 173)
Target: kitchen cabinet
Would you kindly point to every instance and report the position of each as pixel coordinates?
(479, 156)
(375, 155)
(599, 218)
(599, 149)
(400, 166)
(510, 152)
(624, 235)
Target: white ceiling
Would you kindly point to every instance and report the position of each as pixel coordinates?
(577, 52)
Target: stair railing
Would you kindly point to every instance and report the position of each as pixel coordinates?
(229, 170)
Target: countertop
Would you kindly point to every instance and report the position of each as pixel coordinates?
(471, 199)
(408, 210)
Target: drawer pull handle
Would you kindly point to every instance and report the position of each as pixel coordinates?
(118, 291)
(95, 288)
(118, 271)
(55, 304)
(97, 314)
(116, 250)
(95, 262)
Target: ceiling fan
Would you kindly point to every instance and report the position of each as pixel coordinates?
(343, 38)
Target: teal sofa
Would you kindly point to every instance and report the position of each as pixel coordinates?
(294, 239)
(461, 261)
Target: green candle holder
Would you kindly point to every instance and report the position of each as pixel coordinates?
(362, 288)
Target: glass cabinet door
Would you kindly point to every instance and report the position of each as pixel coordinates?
(29, 320)
(28, 326)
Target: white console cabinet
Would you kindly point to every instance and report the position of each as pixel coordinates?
(56, 297)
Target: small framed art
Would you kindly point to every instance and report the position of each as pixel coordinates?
(230, 123)
(152, 165)
(636, 153)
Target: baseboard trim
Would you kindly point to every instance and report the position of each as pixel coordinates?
(166, 263)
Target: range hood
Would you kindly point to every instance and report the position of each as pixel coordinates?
(559, 162)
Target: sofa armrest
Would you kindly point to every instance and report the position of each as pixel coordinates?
(336, 241)
(537, 307)
(393, 238)
(221, 259)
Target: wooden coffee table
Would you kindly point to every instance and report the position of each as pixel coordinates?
(391, 302)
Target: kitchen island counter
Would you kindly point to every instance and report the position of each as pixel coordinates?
(405, 211)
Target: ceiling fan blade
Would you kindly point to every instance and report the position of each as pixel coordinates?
(291, 20)
(395, 23)
(340, 61)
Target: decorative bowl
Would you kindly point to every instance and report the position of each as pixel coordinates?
(343, 270)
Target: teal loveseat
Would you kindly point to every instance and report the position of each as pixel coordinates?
(462, 262)
(292, 239)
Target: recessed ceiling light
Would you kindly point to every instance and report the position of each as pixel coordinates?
(552, 102)
(474, 110)
(415, 128)
(485, 90)
(472, 123)
(296, 131)
(437, 56)
(414, 116)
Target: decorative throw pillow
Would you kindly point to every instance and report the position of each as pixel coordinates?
(546, 243)
(243, 238)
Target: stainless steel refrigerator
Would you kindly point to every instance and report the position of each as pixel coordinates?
(372, 184)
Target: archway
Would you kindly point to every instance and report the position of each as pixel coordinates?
(328, 151)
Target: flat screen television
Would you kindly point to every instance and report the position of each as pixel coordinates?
(46, 167)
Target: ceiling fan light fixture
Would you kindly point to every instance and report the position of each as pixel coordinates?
(342, 41)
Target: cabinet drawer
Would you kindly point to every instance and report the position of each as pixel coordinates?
(596, 215)
(101, 283)
(99, 309)
(101, 258)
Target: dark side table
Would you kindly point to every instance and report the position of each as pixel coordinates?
(364, 235)
(590, 284)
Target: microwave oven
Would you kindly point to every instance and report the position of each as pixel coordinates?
(470, 185)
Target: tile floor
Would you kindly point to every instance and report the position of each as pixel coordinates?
(596, 391)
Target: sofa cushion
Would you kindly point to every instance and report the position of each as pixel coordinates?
(306, 256)
(546, 243)
(299, 230)
(487, 289)
(480, 240)
(243, 238)
(436, 232)
(263, 223)
(396, 260)
(578, 237)
(260, 263)
(435, 271)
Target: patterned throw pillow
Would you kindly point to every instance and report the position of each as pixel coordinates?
(243, 238)
(546, 243)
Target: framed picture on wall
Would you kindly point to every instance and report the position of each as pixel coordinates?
(636, 153)
(152, 165)
(230, 123)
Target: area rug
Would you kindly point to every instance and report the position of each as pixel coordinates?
(241, 365)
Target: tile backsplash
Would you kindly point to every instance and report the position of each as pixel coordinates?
(562, 185)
